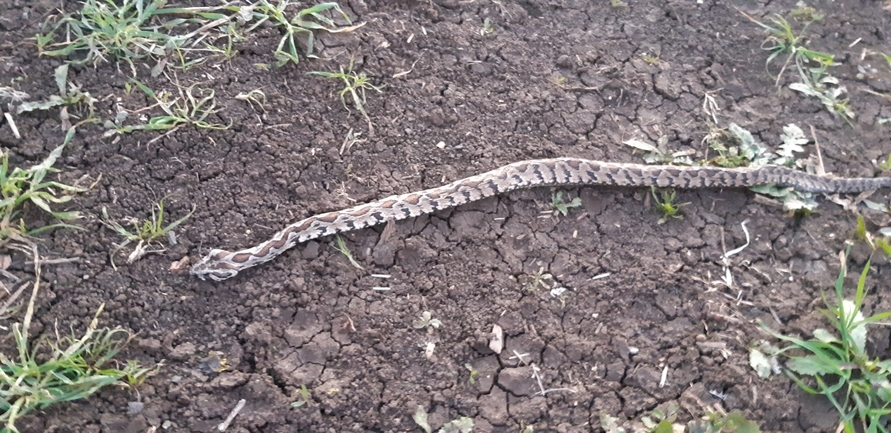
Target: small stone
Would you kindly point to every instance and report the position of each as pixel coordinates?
(134, 407)
(182, 351)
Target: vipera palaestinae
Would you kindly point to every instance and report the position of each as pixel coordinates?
(220, 264)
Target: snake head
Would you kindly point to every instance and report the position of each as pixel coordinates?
(213, 266)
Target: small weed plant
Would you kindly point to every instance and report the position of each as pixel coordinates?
(144, 234)
(305, 22)
(562, 207)
(19, 187)
(667, 206)
(107, 29)
(69, 95)
(487, 28)
(255, 96)
(827, 90)
(663, 419)
(426, 321)
(460, 425)
(835, 363)
(715, 422)
(539, 279)
(46, 372)
(803, 12)
(879, 241)
(192, 107)
(659, 154)
(473, 373)
(812, 65)
(781, 39)
(737, 147)
(355, 85)
(650, 58)
(342, 248)
(130, 30)
(304, 398)
(748, 151)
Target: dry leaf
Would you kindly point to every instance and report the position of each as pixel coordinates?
(496, 343)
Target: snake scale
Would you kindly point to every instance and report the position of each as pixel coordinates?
(220, 264)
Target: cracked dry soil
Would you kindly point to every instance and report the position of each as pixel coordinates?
(472, 101)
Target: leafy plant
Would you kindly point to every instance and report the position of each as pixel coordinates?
(426, 321)
(539, 279)
(191, 107)
(487, 27)
(69, 368)
(562, 207)
(827, 90)
(781, 39)
(737, 147)
(666, 205)
(137, 29)
(304, 399)
(355, 84)
(305, 22)
(659, 154)
(69, 94)
(836, 365)
(460, 425)
(715, 422)
(473, 373)
(20, 186)
(610, 424)
(876, 242)
(886, 164)
(255, 96)
(650, 59)
(102, 29)
(860, 232)
(757, 153)
(803, 12)
(884, 245)
(814, 81)
(662, 419)
(144, 233)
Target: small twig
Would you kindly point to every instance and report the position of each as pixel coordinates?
(15, 295)
(350, 323)
(821, 170)
(9, 275)
(15, 130)
(56, 261)
(544, 391)
(225, 424)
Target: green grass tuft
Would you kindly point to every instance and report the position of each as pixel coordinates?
(355, 85)
(835, 363)
(47, 372)
(19, 187)
(145, 233)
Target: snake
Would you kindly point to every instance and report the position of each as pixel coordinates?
(221, 264)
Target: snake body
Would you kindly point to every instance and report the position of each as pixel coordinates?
(220, 264)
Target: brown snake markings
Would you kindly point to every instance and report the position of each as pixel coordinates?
(219, 264)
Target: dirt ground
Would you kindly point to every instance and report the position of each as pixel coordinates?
(551, 78)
